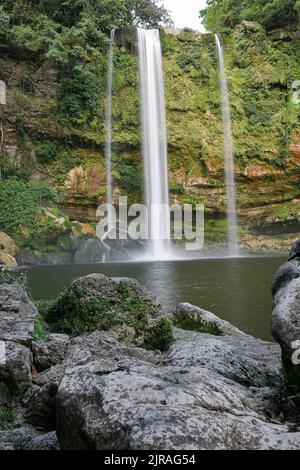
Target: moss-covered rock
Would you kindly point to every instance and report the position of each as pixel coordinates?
(192, 318)
(120, 305)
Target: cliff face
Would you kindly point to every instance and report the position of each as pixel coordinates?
(49, 146)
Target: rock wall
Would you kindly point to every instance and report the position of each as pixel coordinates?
(261, 70)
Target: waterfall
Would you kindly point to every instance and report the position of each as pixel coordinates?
(108, 123)
(233, 246)
(154, 141)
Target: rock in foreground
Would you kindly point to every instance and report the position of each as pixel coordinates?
(201, 395)
(96, 392)
(286, 314)
(17, 314)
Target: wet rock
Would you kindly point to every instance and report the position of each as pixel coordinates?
(51, 352)
(17, 314)
(28, 257)
(89, 251)
(190, 317)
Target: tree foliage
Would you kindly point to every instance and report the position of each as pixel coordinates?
(73, 35)
(222, 15)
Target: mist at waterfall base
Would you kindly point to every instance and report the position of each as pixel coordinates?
(155, 159)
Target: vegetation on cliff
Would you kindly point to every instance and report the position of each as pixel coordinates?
(223, 15)
(54, 61)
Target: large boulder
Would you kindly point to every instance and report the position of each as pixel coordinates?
(286, 317)
(121, 305)
(114, 398)
(89, 250)
(27, 438)
(17, 314)
(82, 350)
(15, 370)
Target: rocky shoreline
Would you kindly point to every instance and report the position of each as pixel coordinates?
(135, 377)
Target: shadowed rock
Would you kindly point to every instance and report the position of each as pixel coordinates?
(286, 313)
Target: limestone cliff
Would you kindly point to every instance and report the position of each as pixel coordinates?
(43, 141)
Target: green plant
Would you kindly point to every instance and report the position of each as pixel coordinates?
(160, 337)
(76, 311)
(13, 277)
(40, 332)
(6, 416)
(46, 151)
(20, 203)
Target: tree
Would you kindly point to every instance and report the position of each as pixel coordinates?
(74, 35)
(223, 15)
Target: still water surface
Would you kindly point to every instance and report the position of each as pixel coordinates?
(237, 290)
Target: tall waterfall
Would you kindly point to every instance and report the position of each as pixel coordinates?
(154, 141)
(233, 246)
(108, 123)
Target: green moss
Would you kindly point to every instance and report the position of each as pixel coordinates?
(75, 313)
(6, 417)
(40, 333)
(187, 323)
(160, 337)
(284, 211)
(215, 230)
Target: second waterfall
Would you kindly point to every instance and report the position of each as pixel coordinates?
(233, 244)
(154, 142)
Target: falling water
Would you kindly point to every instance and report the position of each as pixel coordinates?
(233, 246)
(154, 141)
(108, 123)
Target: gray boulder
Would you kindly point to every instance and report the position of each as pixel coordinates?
(90, 250)
(15, 370)
(27, 438)
(286, 327)
(286, 314)
(51, 352)
(207, 392)
(41, 411)
(17, 314)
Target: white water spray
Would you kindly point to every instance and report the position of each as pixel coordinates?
(233, 245)
(154, 141)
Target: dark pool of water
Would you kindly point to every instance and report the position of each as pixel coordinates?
(237, 290)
